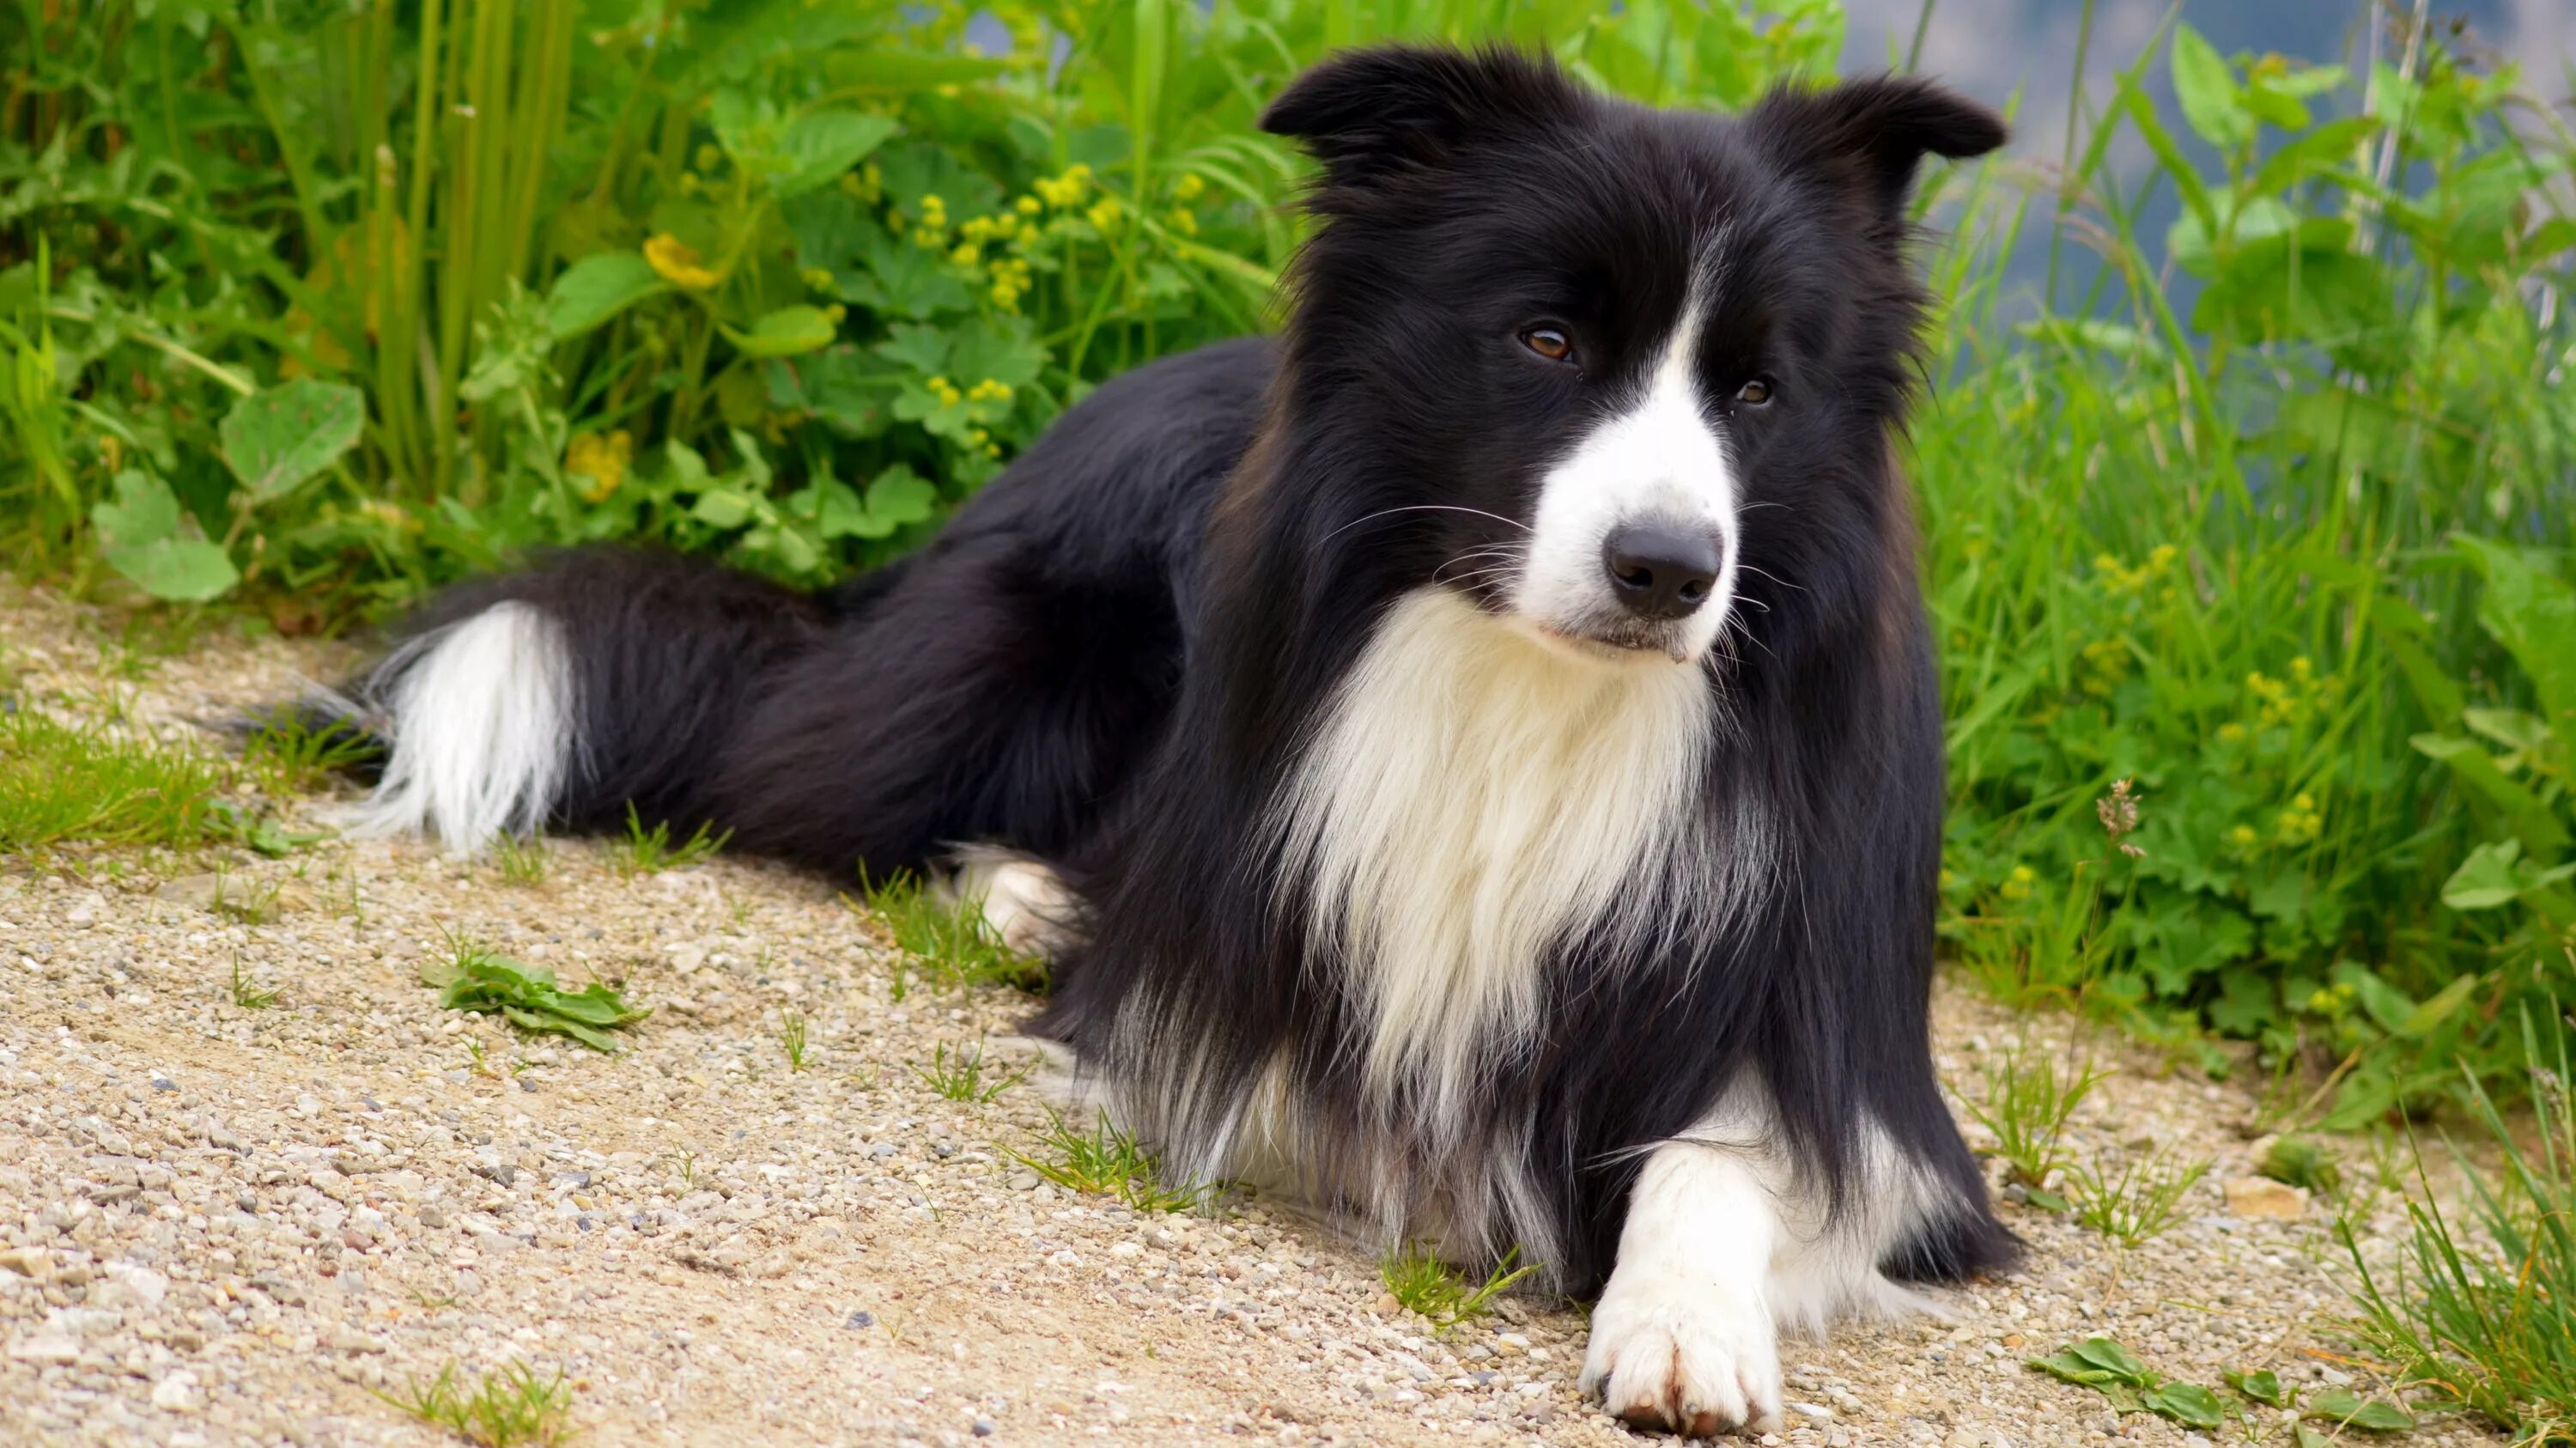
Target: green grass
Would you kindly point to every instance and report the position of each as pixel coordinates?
(2030, 1096)
(962, 1078)
(949, 937)
(289, 752)
(791, 1039)
(66, 784)
(511, 1407)
(2479, 1309)
(2137, 1202)
(246, 994)
(642, 851)
(1425, 1284)
(1107, 1161)
(470, 976)
(522, 862)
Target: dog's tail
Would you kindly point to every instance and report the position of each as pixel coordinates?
(561, 697)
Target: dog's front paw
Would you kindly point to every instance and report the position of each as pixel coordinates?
(1684, 1355)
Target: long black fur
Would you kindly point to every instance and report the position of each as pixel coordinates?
(1112, 657)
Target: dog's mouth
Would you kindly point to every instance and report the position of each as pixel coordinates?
(1619, 639)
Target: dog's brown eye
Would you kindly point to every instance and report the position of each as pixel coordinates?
(1549, 343)
(1754, 393)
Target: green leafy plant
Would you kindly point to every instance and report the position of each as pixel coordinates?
(949, 936)
(650, 852)
(245, 994)
(962, 1078)
(2140, 1201)
(1106, 1161)
(510, 1407)
(2113, 1371)
(473, 978)
(1423, 1283)
(2030, 1096)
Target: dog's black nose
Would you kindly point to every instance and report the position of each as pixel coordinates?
(1658, 572)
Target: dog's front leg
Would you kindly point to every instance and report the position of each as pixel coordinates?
(1683, 1337)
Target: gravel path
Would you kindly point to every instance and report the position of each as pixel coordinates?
(226, 1225)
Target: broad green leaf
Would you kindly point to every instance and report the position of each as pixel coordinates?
(2403, 632)
(2109, 1356)
(819, 147)
(2067, 1367)
(2211, 99)
(2263, 1387)
(722, 508)
(280, 439)
(2532, 612)
(595, 289)
(2516, 729)
(2344, 1406)
(2424, 1019)
(181, 570)
(2187, 1403)
(923, 349)
(900, 496)
(141, 510)
(785, 332)
(2532, 820)
(1002, 351)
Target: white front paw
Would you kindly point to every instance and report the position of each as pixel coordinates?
(1684, 1355)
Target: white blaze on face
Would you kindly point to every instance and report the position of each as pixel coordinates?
(1659, 460)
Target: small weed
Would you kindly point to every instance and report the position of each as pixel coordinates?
(507, 1408)
(1417, 1278)
(257, 832)
(61, 784)
(2302, 1161)
(250, 904)
(474, 978)
(2029, 1098)
(791, 1039)
(2115, 1372)
(523, 861)
(2139, 1203)
(650, 852)
(478, 1062)
(951, 938)
(687, 1164)
(246, 995)
(289, 751)
(963, 1078)
(1108, 1162)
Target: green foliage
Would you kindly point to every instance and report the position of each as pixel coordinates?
(523, 861)
(2029, 1098)
(2112, 1370)
(791, 1040)
(473, 978)
(248, 995)
(2140, 1201)
(288, 751)
(1425, 1284)
(512, 1407)
(1107, 1162)
(948, 935)
(650, 852)
(2480, 1308)
(91, 784)
(962, 1078)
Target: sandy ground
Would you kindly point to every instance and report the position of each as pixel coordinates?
(227, 1225)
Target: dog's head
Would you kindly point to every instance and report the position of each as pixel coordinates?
(1608, 370)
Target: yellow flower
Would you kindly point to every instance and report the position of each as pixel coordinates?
(602, 459)
(2243, 837)
(817, 278)
(1026, 206)
(1189, 187)
(2231, 733)
(967, 255)
(1104, 213)
(1185, 221)
(934, 212)
(709, 158)
(990, 390)
(679, 263)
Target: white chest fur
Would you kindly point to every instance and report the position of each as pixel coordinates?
(1473, 797)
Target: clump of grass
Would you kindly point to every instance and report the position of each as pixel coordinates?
(2030, 1096)
(472, 977)
(2482, 1312)
(650, 852)
(1108, 1162)
(949, 936)
(2139, 1203)
(1423, 1283)
(962, 1079)
(507, 1408)
(250, 904)
(246, 995)
(523, 862)
(2302, 1161)
(290, 751)
(791, 1039)
(64, 783)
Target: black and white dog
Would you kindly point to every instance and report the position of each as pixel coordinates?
(1475, 759)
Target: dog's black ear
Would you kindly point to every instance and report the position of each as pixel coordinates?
(1874, 132)
(1367, 114)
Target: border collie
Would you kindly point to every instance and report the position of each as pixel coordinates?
(1474, 759)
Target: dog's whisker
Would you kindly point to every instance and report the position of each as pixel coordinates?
(1423, 508)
